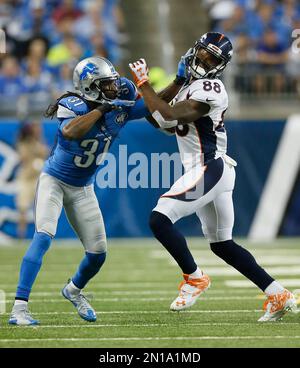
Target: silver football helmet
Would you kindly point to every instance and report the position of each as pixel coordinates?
(88, 76)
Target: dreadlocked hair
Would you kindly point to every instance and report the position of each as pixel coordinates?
(52, 108)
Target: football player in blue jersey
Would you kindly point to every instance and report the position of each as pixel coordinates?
(89, 120)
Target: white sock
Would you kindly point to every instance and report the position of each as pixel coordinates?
(197, 274)
(72, 289)
(20, 302)
(274, 288)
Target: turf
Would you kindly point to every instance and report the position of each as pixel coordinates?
(132, 295)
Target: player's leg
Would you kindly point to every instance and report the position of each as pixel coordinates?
(182, 200)
(84, 215)
(217, 220)
(195, 281)
(49, 199)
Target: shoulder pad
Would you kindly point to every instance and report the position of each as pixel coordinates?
(127, 89)
(75, 104)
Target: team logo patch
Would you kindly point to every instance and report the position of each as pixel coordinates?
(120, 118)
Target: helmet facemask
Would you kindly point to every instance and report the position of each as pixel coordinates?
(206, 63)
(107, 89)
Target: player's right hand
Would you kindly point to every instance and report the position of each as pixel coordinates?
(139, 70)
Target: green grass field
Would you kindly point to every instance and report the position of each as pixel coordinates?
(133, 292)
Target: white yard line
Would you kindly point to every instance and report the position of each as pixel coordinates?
(153, 325)
(142, 292)
(118, 300)
(226, 311)
(212, 271)
(272, 337)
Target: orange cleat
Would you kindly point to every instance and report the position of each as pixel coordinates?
(277, 305)
(189, 292)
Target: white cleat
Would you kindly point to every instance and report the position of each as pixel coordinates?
(83, 307)
(277, 305)
(21, 316)
(189, 292)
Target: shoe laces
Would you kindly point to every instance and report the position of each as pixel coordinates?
(83, 303)
(22, 309)
(193, 282)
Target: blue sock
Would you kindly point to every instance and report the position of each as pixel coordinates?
(88, 268)
(31, 264)
(243, 261)
(173, 241)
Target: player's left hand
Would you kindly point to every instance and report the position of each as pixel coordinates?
(119, 104)
(183, 67)
(139, 70)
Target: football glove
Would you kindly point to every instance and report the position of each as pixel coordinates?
(119, 104)
(139, 70)
(114, 105)
(183, 67)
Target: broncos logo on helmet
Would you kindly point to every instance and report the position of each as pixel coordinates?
(210, 55)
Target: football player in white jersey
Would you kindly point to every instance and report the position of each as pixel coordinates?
(196, 115)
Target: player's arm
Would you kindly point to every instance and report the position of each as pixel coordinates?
(79, 126)
(166, 116)
(168, 93)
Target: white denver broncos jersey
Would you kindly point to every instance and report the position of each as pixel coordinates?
(205, 139)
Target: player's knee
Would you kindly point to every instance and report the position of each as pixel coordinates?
(96, 245)
(158, 222)
(217, 236)
(38, 247)
(46, 227)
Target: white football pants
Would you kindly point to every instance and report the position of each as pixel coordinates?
(207, 192)
(81, 207)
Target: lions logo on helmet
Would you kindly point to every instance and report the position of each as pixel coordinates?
(89, 70)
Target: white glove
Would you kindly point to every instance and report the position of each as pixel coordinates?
(139, 70)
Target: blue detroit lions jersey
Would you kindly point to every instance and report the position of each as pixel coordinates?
(75, 162)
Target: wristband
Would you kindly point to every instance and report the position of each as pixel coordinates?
(105, 107)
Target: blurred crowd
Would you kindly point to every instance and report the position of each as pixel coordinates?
(44, 41)
(261, 31)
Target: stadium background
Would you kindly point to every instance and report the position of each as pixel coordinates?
(45, 39)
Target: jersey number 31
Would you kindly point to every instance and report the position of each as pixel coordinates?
(90, 153)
